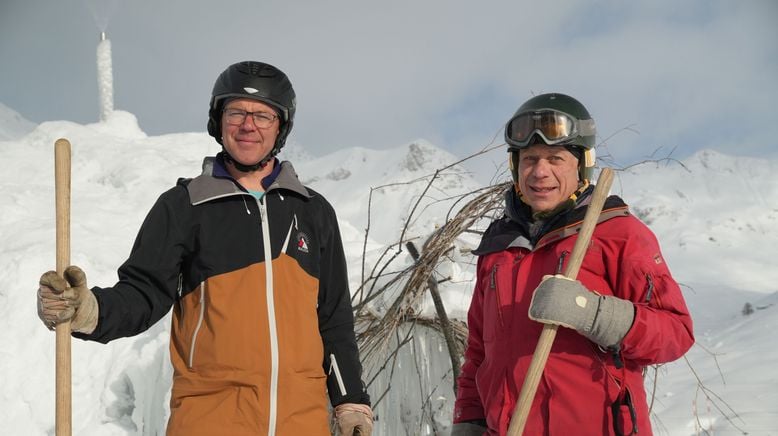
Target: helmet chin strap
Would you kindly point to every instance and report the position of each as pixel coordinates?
(248, 168)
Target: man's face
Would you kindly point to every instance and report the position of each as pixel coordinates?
(247, 143)
(548, 175)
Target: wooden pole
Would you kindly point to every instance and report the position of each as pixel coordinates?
(63, 370)
(542, 350)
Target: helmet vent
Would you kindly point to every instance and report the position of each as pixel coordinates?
(259, 69)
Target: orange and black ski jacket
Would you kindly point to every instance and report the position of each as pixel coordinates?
(262, 329)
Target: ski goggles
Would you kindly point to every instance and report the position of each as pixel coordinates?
(553, 126)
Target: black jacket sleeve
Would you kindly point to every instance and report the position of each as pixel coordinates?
(336, 319)
(148, 279)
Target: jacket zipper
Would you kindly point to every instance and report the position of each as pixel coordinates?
(179, 291)
(561, 263)
(292, 225)
(271, 427)
(198, 325)
(493, 286)
(650, 287)
(334, 368)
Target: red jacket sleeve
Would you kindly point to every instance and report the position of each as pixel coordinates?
(468, 405)
(662, 329)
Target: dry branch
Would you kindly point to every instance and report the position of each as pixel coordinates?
(414, 280)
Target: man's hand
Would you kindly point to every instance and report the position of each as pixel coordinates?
(605, 320)
(67, 299)
(354, 419)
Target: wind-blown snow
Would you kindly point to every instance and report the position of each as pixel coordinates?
(715, 216)
(105, 78)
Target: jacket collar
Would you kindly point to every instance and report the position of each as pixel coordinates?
(216, 182)
(513, 229)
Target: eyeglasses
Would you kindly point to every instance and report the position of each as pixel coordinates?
(553, 126)
(236, 117)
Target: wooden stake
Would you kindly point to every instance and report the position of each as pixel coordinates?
(63, 370)
(547, 336)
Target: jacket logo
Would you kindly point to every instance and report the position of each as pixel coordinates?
(302, 242)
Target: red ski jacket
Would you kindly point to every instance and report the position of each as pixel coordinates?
(583, 387)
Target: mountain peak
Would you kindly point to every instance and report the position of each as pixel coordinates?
(423, 156)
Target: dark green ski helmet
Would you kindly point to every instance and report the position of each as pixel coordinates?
(554, 119)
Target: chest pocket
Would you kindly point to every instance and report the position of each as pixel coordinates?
(499, 305)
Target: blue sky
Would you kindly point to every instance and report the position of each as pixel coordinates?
(680, 75)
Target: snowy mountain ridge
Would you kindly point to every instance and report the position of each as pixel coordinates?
(711, 212)
(712, 207)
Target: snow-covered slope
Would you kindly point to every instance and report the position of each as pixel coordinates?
(717, 216)
(13, 125)
(713, 217)
(395, 177)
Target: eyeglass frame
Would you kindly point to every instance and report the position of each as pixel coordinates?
(259, 124)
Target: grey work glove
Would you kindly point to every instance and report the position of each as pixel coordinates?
(605, 320)
(67, 299)
(467, 429)
(354, 419)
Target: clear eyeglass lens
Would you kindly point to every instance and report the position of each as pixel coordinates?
(237, 117)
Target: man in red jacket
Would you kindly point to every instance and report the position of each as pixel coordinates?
(623, 313)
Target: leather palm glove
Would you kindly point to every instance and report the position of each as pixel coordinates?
(467, 429)
(604, 320)
(354, 419)
(67, 299)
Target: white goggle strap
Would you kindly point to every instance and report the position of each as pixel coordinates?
(586, 127)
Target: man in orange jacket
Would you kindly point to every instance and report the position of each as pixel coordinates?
(252, 263)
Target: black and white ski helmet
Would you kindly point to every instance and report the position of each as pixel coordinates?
(258, 81)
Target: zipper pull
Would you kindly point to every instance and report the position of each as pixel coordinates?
(617, 357)
(649, 287)
(561, 262)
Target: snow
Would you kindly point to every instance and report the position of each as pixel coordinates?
(105, 78)
(714, 214)
(12, 125)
